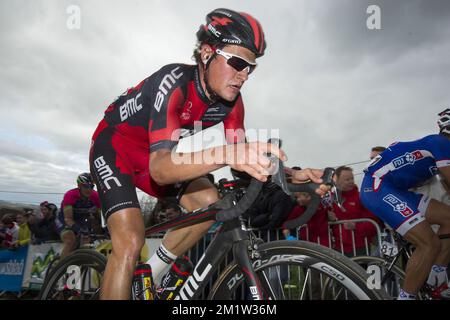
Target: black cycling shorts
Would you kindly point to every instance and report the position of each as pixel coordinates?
(118, 167)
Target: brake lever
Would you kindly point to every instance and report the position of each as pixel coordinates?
(279, 176)
(337, 198)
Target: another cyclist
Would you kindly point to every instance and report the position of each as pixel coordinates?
(79, 208)
(133, 145)
(385, 192)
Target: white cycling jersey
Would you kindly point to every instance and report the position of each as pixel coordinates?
(435, 189)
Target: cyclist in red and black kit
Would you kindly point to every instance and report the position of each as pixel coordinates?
(134, 144)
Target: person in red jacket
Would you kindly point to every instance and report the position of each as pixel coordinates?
(316, 229)
(352, 209)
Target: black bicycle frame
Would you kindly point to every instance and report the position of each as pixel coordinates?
(231, 236)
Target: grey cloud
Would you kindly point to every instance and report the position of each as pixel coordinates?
(405, 26)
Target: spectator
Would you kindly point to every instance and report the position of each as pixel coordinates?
(2, 233)
(316, 229)
(376, 151)
(24, 231)
(165, 210)
(44, 228)
(12, 231)
(270, 210)
(352, 209)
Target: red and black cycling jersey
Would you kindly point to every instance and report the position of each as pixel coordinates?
(163, 107)
(149, 117)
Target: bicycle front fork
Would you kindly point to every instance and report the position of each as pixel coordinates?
(241, 252)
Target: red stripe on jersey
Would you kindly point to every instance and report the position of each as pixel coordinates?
(234, 123)
(102, 125)
(134, 134)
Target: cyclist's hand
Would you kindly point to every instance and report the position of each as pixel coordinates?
(306, 175)
(252, 158)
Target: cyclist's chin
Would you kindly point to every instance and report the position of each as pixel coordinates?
(86, 193)
(229, 95)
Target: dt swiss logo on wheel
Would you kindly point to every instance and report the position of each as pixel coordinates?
(398, 205)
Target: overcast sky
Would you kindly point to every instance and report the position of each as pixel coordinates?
(333, 87)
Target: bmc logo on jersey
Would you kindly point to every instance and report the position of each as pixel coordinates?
(130, 107)
(166, 84)
(398, 205)
(408, 158)
(105, 172)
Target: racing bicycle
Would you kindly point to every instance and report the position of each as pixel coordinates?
(275, 270)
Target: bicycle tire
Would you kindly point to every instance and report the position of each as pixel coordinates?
(316, 258)
(50, 267)
(81, 257)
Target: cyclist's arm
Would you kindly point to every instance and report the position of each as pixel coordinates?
(166, 167)
(445, 172)
(68, 216)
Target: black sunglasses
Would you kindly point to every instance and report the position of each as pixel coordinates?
(237, 62)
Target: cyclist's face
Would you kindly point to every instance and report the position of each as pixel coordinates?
(223, 78)
(86, 192)
(346, 180)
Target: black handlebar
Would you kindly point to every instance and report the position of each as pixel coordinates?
(279, 178)
(243, 205)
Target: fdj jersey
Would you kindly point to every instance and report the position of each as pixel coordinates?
(82, 207)
(149, 117)
(389, 176)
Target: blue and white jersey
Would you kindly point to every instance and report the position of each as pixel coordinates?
(407, 164)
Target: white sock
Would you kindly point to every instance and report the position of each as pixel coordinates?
(438, 276)
(160, 262)
(403, 295)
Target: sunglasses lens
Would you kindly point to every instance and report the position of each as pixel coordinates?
(240, 64)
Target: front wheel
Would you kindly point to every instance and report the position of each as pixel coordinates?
(299, 270)
(76, 277)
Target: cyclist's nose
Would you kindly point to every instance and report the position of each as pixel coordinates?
(242, 75)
